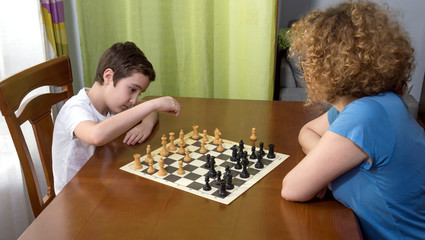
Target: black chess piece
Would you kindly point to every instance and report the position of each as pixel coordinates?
(253, 155)
(259, 164)
(244, 173)
(218, 179)
(229, 184)
(240, 155)
(234, 150)
(212, 172)
(234, 153)
(241, 146)
(238, 163)
(222, 191)
(245, 155)
(271, 151)
(207, 185)
(261, 151)
(245, 158)
(208, 164)
(227, 170)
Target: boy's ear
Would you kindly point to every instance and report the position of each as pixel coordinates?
(108, 76)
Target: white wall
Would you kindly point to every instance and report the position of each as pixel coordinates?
(411, 18)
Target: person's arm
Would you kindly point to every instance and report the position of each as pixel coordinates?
(101, 133)
(141, 131)
(332, 156)
(311, 132)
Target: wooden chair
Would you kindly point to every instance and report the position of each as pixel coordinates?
(36, 110)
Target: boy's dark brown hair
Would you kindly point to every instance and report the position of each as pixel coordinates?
(124, 59)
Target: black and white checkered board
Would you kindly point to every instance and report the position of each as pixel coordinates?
(193, 179)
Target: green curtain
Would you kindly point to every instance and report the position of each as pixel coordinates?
(199, 48)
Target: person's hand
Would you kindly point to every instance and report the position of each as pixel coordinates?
(137, 134)
(167, 105)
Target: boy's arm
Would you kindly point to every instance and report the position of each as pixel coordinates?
(141, 131)
(101, 133)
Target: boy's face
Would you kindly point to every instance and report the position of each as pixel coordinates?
(124, 94)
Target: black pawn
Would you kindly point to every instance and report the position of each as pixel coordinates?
(229, 184)
(271, 151)
(207, 186)
(212, 172)
(227, 170)
(253, 155)
(261, 151)
(238, 163)
(259, 164)
(222, 191)
(244, 173)
(208, 164)
(245, 155)
(218, 180)
(245, 158)
(241, 146)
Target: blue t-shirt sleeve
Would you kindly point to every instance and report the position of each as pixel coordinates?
(365, 123)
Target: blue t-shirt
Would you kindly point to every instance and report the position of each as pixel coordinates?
(388, 196)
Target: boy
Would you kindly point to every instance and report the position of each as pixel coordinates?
(367, 148)
(97, 115)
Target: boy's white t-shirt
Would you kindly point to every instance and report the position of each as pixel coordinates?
(69, 153)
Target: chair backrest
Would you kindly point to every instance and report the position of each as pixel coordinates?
(36, 110)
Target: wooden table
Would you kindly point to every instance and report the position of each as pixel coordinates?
(104, 202)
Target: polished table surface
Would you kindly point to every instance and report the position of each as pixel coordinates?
(104, 202)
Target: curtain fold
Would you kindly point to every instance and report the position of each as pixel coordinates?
(216, 49)
(53, 16)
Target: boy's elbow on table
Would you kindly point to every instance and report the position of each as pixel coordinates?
(97, 139)
(99, 142)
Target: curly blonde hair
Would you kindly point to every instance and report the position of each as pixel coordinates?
(353, 49)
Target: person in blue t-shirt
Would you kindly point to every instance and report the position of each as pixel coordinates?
(367, 149)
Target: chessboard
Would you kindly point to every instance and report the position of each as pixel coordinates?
(197, 177)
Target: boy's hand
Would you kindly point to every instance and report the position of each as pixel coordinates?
(141, 131)
(167, 105)
(137, 134)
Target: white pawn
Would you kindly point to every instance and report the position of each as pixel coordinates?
(220, 146)
(205, 138)
(161, 171)
(203, 149)
(172, 147)
(151, 169)
(187, 157)
(253, 137)
(181, 170)
(164, 152)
